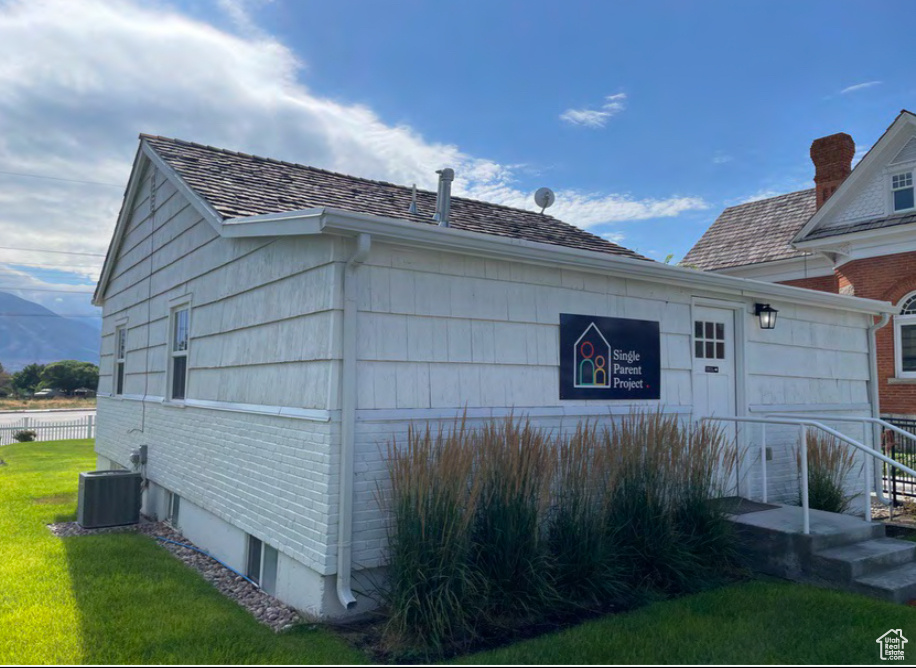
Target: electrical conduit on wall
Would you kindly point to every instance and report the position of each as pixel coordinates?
(348, 420)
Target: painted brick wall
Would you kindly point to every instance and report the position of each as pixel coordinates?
(272, 477)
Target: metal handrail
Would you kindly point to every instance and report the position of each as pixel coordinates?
(803, 425)
(863, 420)
(838, 418)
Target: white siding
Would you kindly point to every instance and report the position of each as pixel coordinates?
(263, 311)
(438, 332)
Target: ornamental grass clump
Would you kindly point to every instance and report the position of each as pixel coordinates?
(829, 466)
(514, 468)
(433, 591)
(671, 536)
(581, 541)
(507, 525)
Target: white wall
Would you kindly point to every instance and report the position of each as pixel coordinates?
(439, 331)
(263, 317)
(272, 477)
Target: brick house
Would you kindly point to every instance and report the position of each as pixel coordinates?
(269, 327)
(854, 233)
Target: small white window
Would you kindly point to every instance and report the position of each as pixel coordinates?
(120, 356)
(902, 191)
(174, 509)
(261, 565)
(905, 338)
(178, 352)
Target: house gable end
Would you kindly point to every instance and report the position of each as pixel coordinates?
(865, 194)
(145, 159)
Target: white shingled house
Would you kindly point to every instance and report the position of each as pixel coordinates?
(269, 327)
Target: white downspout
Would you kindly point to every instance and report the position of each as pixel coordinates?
(873, 400)
(348, 421)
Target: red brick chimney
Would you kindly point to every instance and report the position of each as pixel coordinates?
(832, 158)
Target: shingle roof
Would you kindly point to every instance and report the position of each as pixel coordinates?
(238, 185)
(754, 232)
(878, 224)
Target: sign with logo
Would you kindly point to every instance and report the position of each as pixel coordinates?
(614, 359)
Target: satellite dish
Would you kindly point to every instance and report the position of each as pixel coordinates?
(544, 197)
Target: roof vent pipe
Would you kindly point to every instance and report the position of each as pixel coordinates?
(444, 196)
(413, 200)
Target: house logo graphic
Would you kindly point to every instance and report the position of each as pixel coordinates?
(591, 359)
(891, 644)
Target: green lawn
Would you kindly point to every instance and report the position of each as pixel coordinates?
(122, 599)
(749, 623)
(114, 598)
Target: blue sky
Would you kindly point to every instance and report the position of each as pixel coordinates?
(647, 119)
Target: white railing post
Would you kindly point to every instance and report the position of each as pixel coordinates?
(763, 460)
(88, 426)
(806, 516)
(868, 480)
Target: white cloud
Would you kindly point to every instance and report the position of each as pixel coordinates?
(81, 80)
(721, 158)
(596, 118)
(859, 86)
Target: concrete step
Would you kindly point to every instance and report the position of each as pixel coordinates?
(845, 563)
(895, 584)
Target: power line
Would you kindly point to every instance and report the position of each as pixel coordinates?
(57, 178)
(49, 315)
(22, 289)
(51, 266)
(46, 250)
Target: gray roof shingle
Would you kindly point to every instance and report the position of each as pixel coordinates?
(877, 224)
(754, 232)
(238, 185)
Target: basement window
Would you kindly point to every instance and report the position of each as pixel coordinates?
(174, 509)
(902, 190)
(905, 338)
(261, 565)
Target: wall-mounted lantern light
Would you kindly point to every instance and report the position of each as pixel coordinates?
(767, 315)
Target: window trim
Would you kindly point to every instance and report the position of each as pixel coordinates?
(893, 190)
(176, 306)
(900, 321)
(120, 359)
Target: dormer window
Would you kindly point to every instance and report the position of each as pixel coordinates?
(902, 189)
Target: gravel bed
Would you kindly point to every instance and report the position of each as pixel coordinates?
(264, 607)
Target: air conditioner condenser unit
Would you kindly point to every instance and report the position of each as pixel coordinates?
(108, 498)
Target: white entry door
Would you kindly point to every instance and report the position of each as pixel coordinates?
(714, 380)
(713, 361)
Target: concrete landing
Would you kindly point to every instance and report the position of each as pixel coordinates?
(841, 551)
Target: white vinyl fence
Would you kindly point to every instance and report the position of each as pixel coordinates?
(83, 427)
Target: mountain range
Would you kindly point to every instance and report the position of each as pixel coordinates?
(31, 333)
